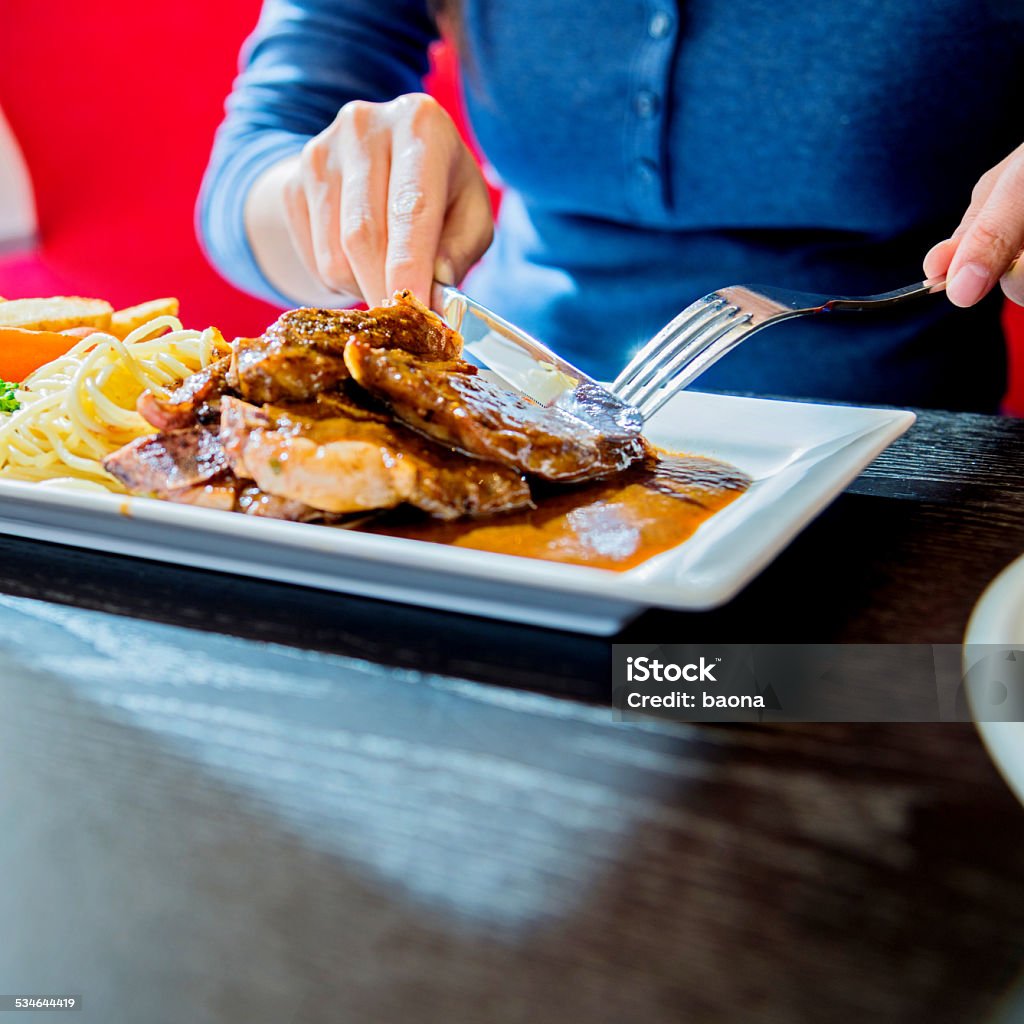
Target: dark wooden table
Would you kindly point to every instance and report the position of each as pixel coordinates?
(234, 801)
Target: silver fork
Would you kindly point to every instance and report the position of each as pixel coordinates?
(714, 325)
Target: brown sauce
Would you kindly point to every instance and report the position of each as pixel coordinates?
(609, 524)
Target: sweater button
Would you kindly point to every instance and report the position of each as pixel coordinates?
(660, 25)
(646, 103)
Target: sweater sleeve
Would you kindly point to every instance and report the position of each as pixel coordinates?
(305, 60)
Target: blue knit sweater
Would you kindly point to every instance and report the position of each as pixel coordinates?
(653, 150)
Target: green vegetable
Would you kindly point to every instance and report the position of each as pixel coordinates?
(8, 402)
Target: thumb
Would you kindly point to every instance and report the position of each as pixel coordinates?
(468, 231)
(939, 257)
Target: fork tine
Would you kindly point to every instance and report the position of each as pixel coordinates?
(688, 366)
(691, 317)
(676, 367)
(681, 340)
(680, 352)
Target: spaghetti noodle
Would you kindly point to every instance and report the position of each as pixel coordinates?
(80, 407)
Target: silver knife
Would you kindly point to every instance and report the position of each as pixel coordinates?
(533, 369)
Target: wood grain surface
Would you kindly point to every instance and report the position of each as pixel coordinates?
(225, 800)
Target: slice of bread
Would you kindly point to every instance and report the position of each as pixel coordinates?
(124, 321)
(56, 314)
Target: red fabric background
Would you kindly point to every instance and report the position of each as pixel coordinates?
(116, 115)
(1013, 320)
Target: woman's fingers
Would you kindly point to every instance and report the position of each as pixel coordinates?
(364, 196)
(297, 219)
(979, 197)
(321, 182)
(1012, 281)
(277, 227)
(990, 235)
(418, 195)
(939, 257)
(378, 191)
(468, 231)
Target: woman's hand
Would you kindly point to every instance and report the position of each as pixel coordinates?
(387, 197)
(985, 247)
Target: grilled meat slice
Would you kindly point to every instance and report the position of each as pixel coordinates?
(349, 400)
(451, 402)
(279, 370)
(407, 324)
(254, 502)
(194, 400)
(189, 467)
(302, 353)
(229, 494)
(251, 501)
(343, 464)
(220, 493)
(160, 463)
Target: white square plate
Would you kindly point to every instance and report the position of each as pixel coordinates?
(800, 456)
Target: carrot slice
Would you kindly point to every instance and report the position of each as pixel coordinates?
(22, 351)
